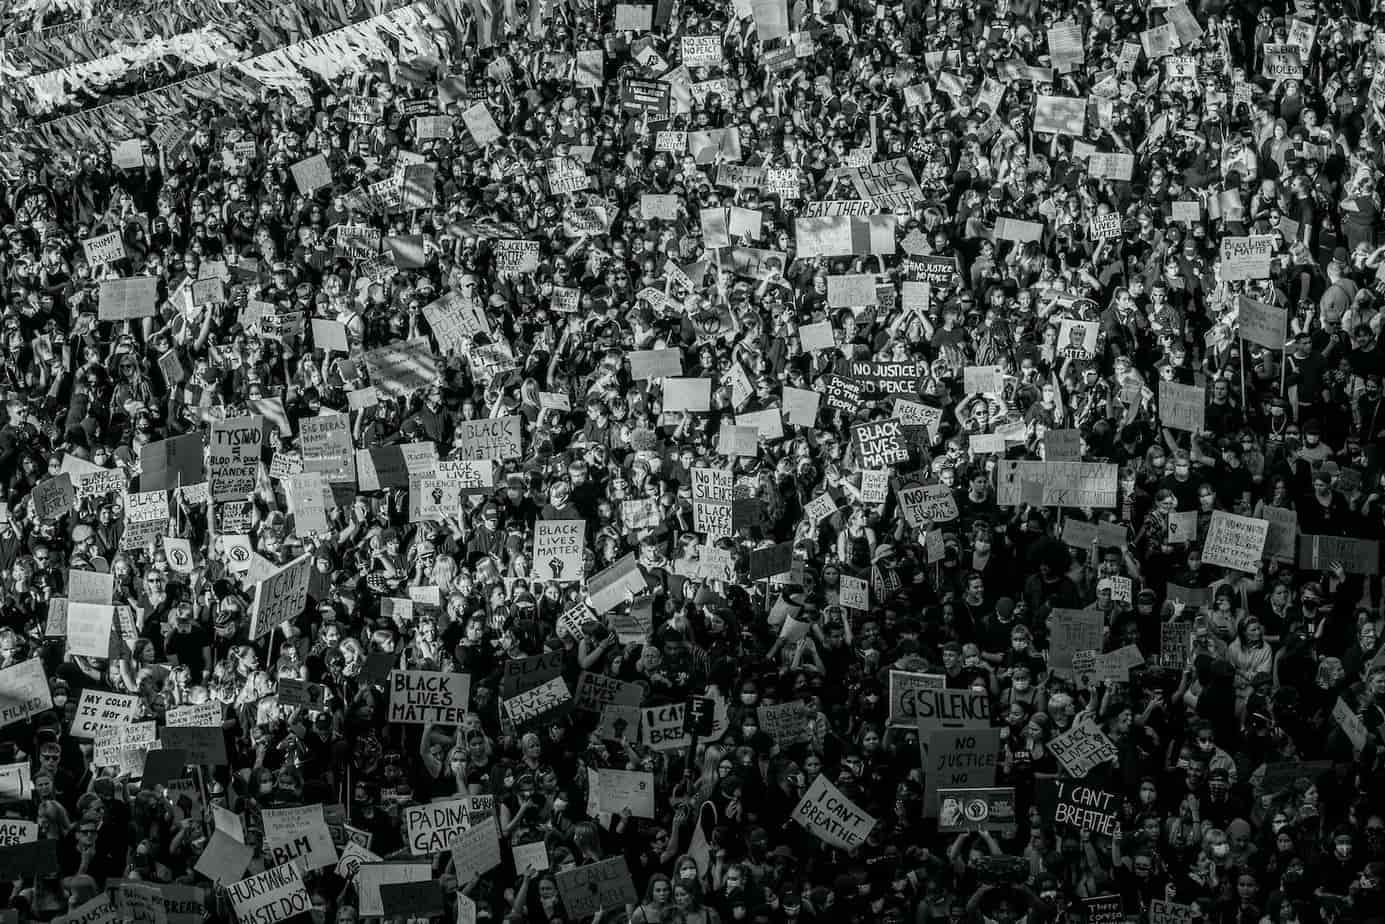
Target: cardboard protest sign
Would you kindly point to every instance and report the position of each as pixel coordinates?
(622, 789)
(127, 299)
(904, 689)
(1060, 115)
(23, 692)
(89, 629)
(435, 827)
(233, 457)
(107, 248)
(1358, 556)
(372, 877)
(540, 704)
(1281, 540)
(607, 588)
(831, 817)
(1075, 804)
(475, 851)
(1261, 323)
(280, 596)
(1182, 407)
(945, 708)
(585, 890)
(662, 727)
(596, 691)
(928, 503)
(558, 546)
(1165, 912)
(311, 174)
(298, 835)
(424, 697)
(1063, 484)
(1246, 257)
(489, 438)
(275, 895)
(1082, 748)
(401, 368)
(1235, 542)
(171, 463)
(957, 759)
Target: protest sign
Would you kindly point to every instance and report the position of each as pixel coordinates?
(594, 887)
(831, 817)
(1060, 115)
(990, 808)
(712, 490)
(428, 697)
(1076, 804)
(107, 248)
(540, 704)
(662, 727)
(607, 588)
(957, 759)
(1182, 407)
(401, 368)
(1165, 912)
(489, 438)
(298, 835)
(1280, 541)
(596, 691)
(233, 457)
(1261, 323)
(311, 174)
(1358, 556)
(1082, 748)
(275, 895)
(1063, 484)
(127, 299)
(880, 443)
(372, 878)
(475, 850)
(89, 629)
(435, 827)
(936, 709)
(518, 675)
(622, 789)
(1235, 542)
(904, 687)
(558, 546)
(281, 596)
(23, 691)
(326, 444)
(926, 504)
(1246, 257)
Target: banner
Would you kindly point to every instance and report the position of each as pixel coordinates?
(989, 808)
(831, 817)
(1058, 484)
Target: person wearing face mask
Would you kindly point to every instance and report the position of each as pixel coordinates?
(1339, 867)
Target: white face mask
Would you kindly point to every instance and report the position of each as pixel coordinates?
(1021, 686)
(1221, 850)
(1342, 850)
(559, 805)
(688, 875)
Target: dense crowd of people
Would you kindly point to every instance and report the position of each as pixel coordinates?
(700, 463)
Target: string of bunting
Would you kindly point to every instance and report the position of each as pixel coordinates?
(330, 55)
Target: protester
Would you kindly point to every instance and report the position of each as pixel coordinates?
(685, 464)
